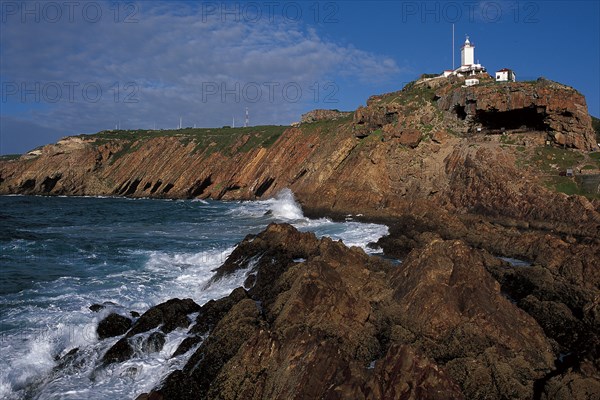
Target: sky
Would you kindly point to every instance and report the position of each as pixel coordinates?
(72, 67)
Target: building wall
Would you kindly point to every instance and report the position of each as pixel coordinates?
(467, 55)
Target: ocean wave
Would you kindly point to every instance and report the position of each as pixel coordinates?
(130, 257)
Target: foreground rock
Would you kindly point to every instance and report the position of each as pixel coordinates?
(113, 325)
(321, 320)
(161, 319)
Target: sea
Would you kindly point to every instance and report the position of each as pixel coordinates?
(60, 255)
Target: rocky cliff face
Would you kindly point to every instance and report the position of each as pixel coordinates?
(547, 106)
(320, 320)
(402, 154)
(452, 195)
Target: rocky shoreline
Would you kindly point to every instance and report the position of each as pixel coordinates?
(317, 319)
(462, 176)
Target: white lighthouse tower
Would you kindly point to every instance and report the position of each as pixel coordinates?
(468, 67)
(467, 53)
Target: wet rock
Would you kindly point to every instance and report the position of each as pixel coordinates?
(154, 342)
(203, 367)
(68, 360)
(151, 396)
(280, 240)
(208, 317)
(119, 352)
(169, 315)
(113, 325)
(96, 307)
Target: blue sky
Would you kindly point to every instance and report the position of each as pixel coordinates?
(81, 67)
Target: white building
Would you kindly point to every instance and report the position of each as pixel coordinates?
(471, 81)
(506, 75)
(468, 66)
(467, 53)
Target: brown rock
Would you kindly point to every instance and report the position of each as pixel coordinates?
(345, 325)
(544, 105)
(410, 138)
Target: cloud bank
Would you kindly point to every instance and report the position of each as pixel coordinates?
(141, 65)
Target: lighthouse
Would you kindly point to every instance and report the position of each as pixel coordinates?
(468, 68)
(467, 53)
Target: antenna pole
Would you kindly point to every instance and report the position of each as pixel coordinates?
(247, 119)
(452, 47)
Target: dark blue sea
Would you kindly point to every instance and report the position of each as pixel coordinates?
(60, 255)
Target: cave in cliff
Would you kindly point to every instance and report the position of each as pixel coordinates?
(523, 118)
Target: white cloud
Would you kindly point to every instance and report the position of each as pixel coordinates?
(170, 56)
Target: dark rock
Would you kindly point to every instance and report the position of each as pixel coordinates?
(250, 281)
(581, 383)
(119, 352)
(203, 367)
(96, 307)
(113, 325)
(151, 396)
(68, 360)
(281, 240)
(169, 316)
(154, 342)
(134, 314)
(320, 324)
(208, 317)
(342, 324)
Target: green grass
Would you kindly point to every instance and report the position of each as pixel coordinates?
(553, 161)
(506, 139)
(545, 157)
(569, 186)
(207, 140)
(564, 184)
(8, 157)
(326, 126)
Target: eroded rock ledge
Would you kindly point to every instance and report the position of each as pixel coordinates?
(320, 320)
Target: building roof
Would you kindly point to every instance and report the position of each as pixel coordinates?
(503, 70)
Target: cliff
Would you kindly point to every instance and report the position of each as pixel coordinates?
(407, 146)
(319, 320)
(459, 174)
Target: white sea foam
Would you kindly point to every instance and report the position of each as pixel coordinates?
(284, 208)
(515, 262)
(58, 319)
(30, 356)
